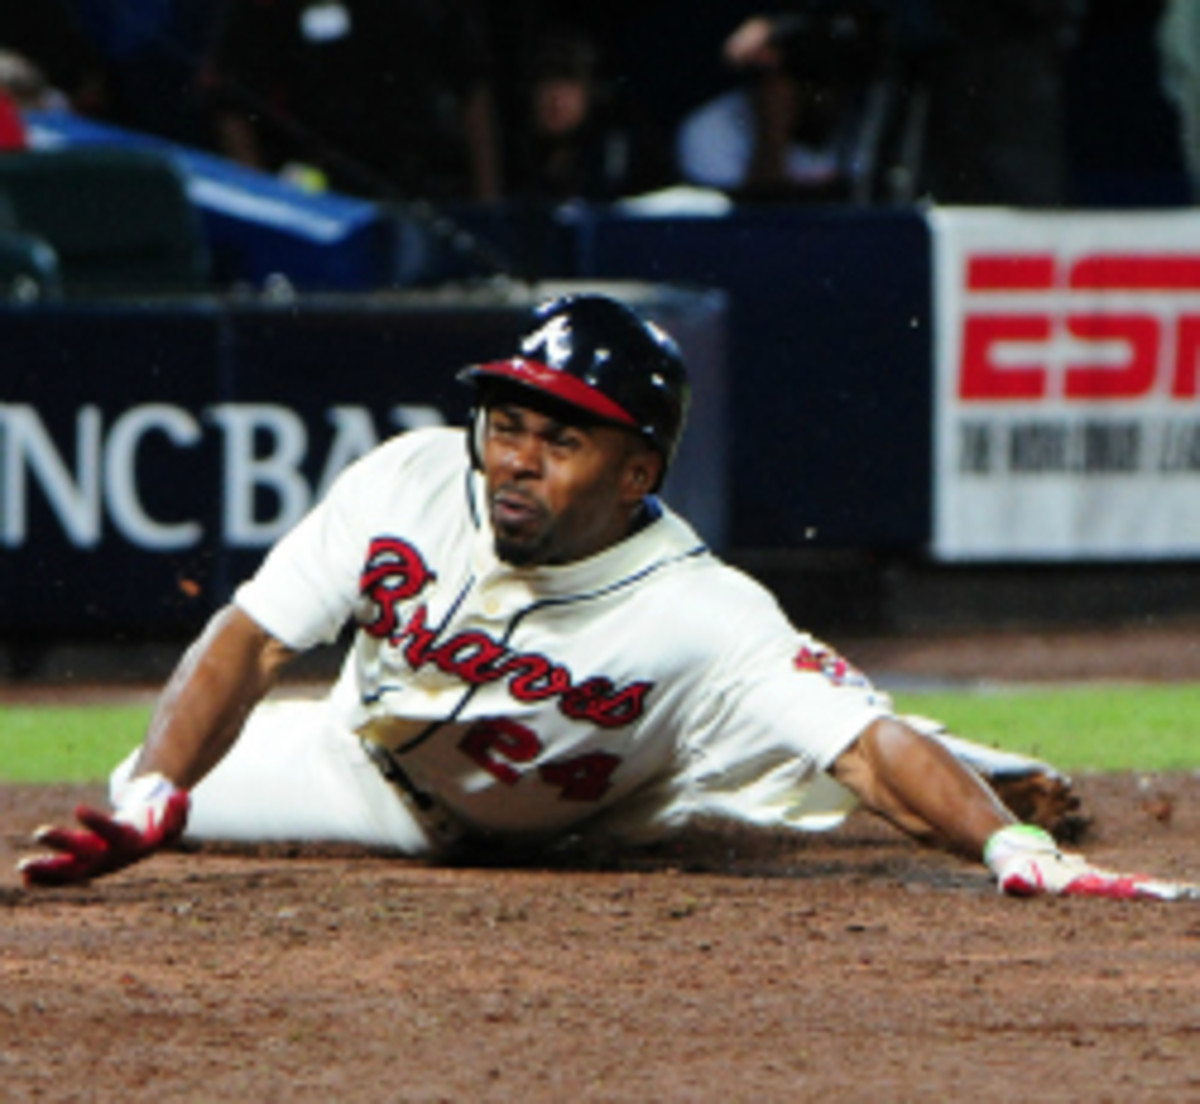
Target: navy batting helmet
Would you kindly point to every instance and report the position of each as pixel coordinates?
(596, 354)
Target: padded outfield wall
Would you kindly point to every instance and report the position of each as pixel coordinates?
(150, 453)
(902, 412)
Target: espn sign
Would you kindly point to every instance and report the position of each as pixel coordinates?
(1067, 423)
(1114, 351)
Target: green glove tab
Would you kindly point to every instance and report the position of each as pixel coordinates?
(1017, 839)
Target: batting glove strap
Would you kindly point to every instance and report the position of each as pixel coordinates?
(146, 803)
(151, 813)
(1026, 862)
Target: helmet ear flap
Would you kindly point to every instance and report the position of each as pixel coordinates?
(475, 433)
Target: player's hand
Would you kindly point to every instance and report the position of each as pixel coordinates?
(152, 812)
(1026, 862)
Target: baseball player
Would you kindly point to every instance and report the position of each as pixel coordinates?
(542, 651)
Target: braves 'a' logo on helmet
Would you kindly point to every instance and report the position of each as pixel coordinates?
(551, 342)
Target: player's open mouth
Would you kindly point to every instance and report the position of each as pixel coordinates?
(513, 510)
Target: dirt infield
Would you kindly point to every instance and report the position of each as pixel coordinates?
(851, 966)
(844, 967)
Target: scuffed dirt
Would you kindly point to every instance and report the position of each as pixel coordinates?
(852, 966)
(1138, 652)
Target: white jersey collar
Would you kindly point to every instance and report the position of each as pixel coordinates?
(668, 537)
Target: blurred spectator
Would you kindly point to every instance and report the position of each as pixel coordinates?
(955, 101)
(23, 87)
(578, 139)
(668, 54)
(48, 34)
(151, 51)
(1179, 55)
(379, 97)
(12, 128)
(990, 75)
(806, 121)
(26, 85)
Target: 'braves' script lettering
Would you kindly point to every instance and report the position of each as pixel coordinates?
(395, 572)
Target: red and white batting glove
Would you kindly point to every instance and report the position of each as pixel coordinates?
(152, 813)
(1026, 862)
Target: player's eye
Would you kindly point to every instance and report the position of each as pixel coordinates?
(565, 440)
(503, 425)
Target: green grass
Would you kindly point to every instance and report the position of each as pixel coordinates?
(1104, 727)
(43, 743)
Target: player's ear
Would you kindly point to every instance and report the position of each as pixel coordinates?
(642, 470)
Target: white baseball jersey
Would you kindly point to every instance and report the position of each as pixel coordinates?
(632, 690)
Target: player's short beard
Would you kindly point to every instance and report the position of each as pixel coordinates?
(518, 553)
(525, 550)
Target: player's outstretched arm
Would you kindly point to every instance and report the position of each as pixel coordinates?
(922, 788)
(918, 785)
(223, 675)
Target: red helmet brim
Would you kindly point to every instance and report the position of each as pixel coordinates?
(560, 385)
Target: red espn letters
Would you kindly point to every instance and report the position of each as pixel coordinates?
(1163, 344)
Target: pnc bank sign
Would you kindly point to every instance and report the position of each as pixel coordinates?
(93, 479)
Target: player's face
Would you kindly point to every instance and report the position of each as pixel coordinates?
(558, 491)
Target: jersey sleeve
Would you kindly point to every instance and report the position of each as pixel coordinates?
(306, 588)
(794, 693)
(776, 708)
